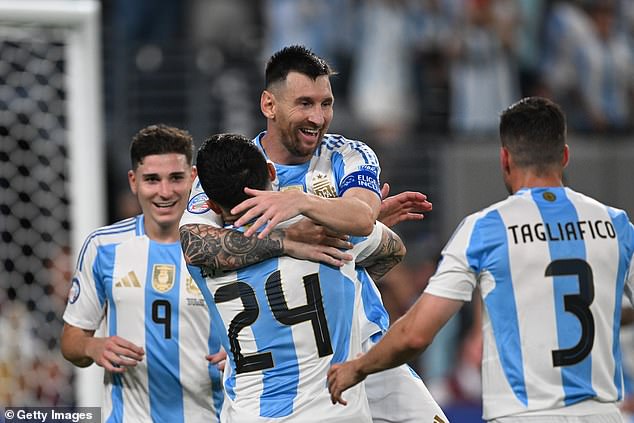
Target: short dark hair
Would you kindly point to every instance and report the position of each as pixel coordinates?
(534, 132)
(227, 163)
(295, 58)
(160, 139)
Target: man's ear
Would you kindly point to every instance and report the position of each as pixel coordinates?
(566, 157)
(505, 160)
(214, 206)
(272, 171)
(132, 181)
(267, 104)
(194, 172)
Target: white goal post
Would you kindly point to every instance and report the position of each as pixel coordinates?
(79, 23)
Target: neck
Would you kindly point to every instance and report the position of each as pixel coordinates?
(278, 153)
(530, 180)
(161, 234)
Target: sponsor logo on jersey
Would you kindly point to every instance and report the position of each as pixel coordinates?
(163, 276)
(291, 187)
(198, 204)
(370, 168)
(74, 292)
(128, 281)
(322, 186)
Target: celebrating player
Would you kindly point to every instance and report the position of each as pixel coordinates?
(552, 265)
(132, 275)
(326, 177)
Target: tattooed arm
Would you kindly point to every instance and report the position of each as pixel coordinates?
(212, 248)
(388, 254)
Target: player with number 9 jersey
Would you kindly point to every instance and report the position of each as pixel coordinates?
(152, 302)
(552, 265)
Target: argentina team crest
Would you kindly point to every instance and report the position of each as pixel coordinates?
(163, 277)
(322, 186)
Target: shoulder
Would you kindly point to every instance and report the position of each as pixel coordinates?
(334, 144)
(108, 235)
(114, 233)
(338, 142)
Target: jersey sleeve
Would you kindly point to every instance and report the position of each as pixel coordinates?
(86, 304)
(629, 279)
(455, 278)
(363, 247)
(357, 166)
(198, 211)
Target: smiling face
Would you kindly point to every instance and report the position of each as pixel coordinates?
(162, 183)
(299, 111)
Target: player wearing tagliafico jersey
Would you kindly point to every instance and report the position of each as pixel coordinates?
(551, 264)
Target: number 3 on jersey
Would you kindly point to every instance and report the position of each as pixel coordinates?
(577, 304)
(312, 311)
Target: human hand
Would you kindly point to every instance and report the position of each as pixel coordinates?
(341, 377)
(268, 208)
(114, 354)
(316, 252)
(309, 232)
(405, 206)
(219, 359)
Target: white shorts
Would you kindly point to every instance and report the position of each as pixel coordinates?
(399, 396)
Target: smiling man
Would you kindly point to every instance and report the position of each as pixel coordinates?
(132, 275)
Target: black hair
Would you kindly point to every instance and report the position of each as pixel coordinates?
(160, 139)
(295, 58)
(534, 132)
(227, 163)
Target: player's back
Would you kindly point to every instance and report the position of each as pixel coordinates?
(551, 265)
(153, 302)
(287, 321)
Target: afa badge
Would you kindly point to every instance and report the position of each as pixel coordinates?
(322, 186)
(163, 276)
(198, 204)
(74, 292)
(549, 196)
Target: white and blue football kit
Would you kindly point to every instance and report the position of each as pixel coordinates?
(552, 266)
(287, 321)
(338, 164)
(145, 294)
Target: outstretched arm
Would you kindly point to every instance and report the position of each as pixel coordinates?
(215, 248)
(354, 213)
(410, 335)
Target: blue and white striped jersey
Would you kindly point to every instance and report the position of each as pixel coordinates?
(143, 291)
(337, 165)
(287, 321)
(552, 266)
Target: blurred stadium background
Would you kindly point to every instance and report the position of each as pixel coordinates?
(420, 81)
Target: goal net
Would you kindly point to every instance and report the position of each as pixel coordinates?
(51, 189)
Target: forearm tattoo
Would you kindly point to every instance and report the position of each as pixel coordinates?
(215, 249)
(389, 253)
